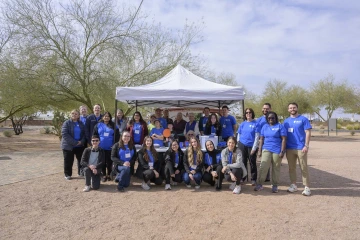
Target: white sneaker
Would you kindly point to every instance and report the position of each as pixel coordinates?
(67, 178)
(292, 188)
(188, 185)
(86, 189)
(306, 191)
(167, 187)
(232, 186)
(237, 189)
(145, 186)
(197, 186)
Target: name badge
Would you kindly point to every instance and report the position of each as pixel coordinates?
(193, 166)
(106, 134)
(176, 165)
(127, 154)
(204, 124)
(151, 164)
(137, 131)
(290, 130)
(224, 126)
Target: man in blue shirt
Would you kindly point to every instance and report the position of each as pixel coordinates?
(228, 124)
(298, 130)
(162, 120)
(203, 120)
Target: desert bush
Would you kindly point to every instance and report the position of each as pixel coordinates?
(47, 130)
(8, 133)
(350, 127)
(338, 126)
(57, 122)
(356, 126)
(321, 131)
(352, 133)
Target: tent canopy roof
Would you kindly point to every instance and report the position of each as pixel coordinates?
(180, 88)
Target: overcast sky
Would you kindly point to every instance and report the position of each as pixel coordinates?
(298, 41)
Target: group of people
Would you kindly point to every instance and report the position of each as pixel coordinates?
(112, 153)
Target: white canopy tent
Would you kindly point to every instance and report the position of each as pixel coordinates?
(181, 88)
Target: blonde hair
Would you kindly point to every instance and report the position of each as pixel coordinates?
(190, 153)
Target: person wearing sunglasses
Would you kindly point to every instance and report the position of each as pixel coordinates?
(248, 135)
(123, 155)
(92, 160)
(272, 147)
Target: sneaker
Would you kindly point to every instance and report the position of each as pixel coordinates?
(253, 183)
(188, 185)
(67, 178)
(121, 189)
(292, 188)
(173, 183)
(237, 189)
(306, 191)
(197, 186)
(167, 187)
(104, 179)
(232, 186)
(274, 189)
(258, 187)
(145, 186)
(86, 189)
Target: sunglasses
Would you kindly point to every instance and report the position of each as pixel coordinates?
(94, 140)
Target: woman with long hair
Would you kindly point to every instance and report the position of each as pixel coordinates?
(213, 126)
(272, 147)
(174, 167)
(249, 133)
(72, 142)
(120, 121)
(123, 155)
(149, 167)
(233, 166)
(138, 128)
(193, 163)
(212, 164)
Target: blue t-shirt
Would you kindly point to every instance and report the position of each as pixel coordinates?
(247, 132)
(203, 122)
(230, 157)
(261, 121)
(227, 126)
(137, 131)
(83, 119)
(151, 157)
(163, 122)
(157, 131)
(126, 155)
(272, 137)
(209, 160)
(77, 131)
(106, 135)
(193, 167)
(295, 128)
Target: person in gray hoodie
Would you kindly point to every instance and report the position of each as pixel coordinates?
(233, 166)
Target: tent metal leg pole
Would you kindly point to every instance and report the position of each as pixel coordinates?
(136, 105)
(115, 117)
(243, 108)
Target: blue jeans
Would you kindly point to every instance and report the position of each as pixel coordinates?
(123, 176)
(197, 177)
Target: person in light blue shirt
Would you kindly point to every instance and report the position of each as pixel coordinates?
(157, 134)
(249, 133)
(271, 150)
(297, 146)
(228, 124)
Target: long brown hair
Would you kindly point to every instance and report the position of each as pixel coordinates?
(121, 142)
(190, 153)
(152, 149)
(234, 156)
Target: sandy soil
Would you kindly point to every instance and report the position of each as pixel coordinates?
(48, 207)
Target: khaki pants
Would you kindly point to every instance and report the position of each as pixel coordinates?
(292, 156)
(267, 159)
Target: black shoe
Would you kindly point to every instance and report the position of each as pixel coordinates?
(121, 189)
(267, 180)
(218, 188)
(104, 179)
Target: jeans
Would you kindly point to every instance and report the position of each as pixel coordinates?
(246, 153)
(91, 177)
(197, 177)
(123, 177)
(69, 160)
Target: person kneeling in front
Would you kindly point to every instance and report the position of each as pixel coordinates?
(92, 161)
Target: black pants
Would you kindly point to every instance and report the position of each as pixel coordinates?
(169, 170)
(238, 172)
(69, 160)
(91, 178)
(108, 163)
(220, 177)
(149, 175)
(208, 178)
(246, 153)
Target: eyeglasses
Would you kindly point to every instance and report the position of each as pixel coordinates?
(94, 140)
(271, 118)
(126, 136)
(248, 112)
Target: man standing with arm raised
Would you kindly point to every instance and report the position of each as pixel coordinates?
(297, 146)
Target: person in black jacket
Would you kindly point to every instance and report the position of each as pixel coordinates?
(149, 164)
(193, 163)
(123, 155)
(92, 160)
(212, 164)
(213, 126)
(174, 166)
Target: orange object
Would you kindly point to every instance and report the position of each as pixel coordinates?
(166, 133)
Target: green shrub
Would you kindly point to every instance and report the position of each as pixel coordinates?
(350, 127)
(352, 133)
(8, 133)
(338, 126)
(47, 130)
(58, 120)
(356, 126)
